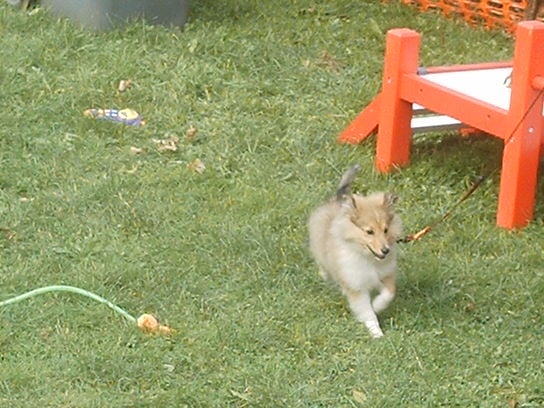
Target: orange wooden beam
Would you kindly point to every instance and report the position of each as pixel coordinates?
(464, 67)
(522, 148)
(471, 111)
(395, 115)
(363, 125)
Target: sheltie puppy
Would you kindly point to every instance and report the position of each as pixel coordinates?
(353, 239)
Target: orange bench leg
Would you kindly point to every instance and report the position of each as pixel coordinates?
(522, 146)
(363, 125)
(395, 114)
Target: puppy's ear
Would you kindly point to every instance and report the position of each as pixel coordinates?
(389, 200)
(348, 202)
(353, 202)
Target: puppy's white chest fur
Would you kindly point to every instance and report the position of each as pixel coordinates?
(361, 271)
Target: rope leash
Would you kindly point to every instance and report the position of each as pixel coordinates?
(479, 181)
(425, 230)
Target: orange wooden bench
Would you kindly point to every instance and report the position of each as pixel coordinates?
(463, 96)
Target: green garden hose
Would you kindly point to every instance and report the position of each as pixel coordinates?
(146, 322)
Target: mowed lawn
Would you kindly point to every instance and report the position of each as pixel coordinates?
(199, 217)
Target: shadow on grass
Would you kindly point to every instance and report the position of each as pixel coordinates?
(479, 155)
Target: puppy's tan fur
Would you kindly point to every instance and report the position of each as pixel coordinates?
(353, 239)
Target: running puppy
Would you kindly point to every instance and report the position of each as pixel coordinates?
(353, 239)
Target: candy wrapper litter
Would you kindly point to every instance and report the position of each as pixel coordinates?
(125, 116)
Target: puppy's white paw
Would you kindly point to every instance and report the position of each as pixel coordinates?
(374, 328)
(382, 301)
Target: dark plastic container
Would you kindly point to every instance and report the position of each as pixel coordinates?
(107, 14)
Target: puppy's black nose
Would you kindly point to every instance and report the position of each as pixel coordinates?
(385, 250)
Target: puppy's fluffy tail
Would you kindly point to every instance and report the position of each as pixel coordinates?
(346, 181)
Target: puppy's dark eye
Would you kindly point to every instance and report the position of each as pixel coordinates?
(370, 232)
(385, 231)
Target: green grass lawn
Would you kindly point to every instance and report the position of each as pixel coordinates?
(222, 255)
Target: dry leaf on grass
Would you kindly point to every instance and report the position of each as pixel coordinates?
(169, 144)
(358, 396)
(308, 11)
(197, 166)
(244, 396)
(470, 307)
(191, 132)
(8, 233)
(124, 84)
(513, 403)
(133, 170)
(329, 62)
(136, 150)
